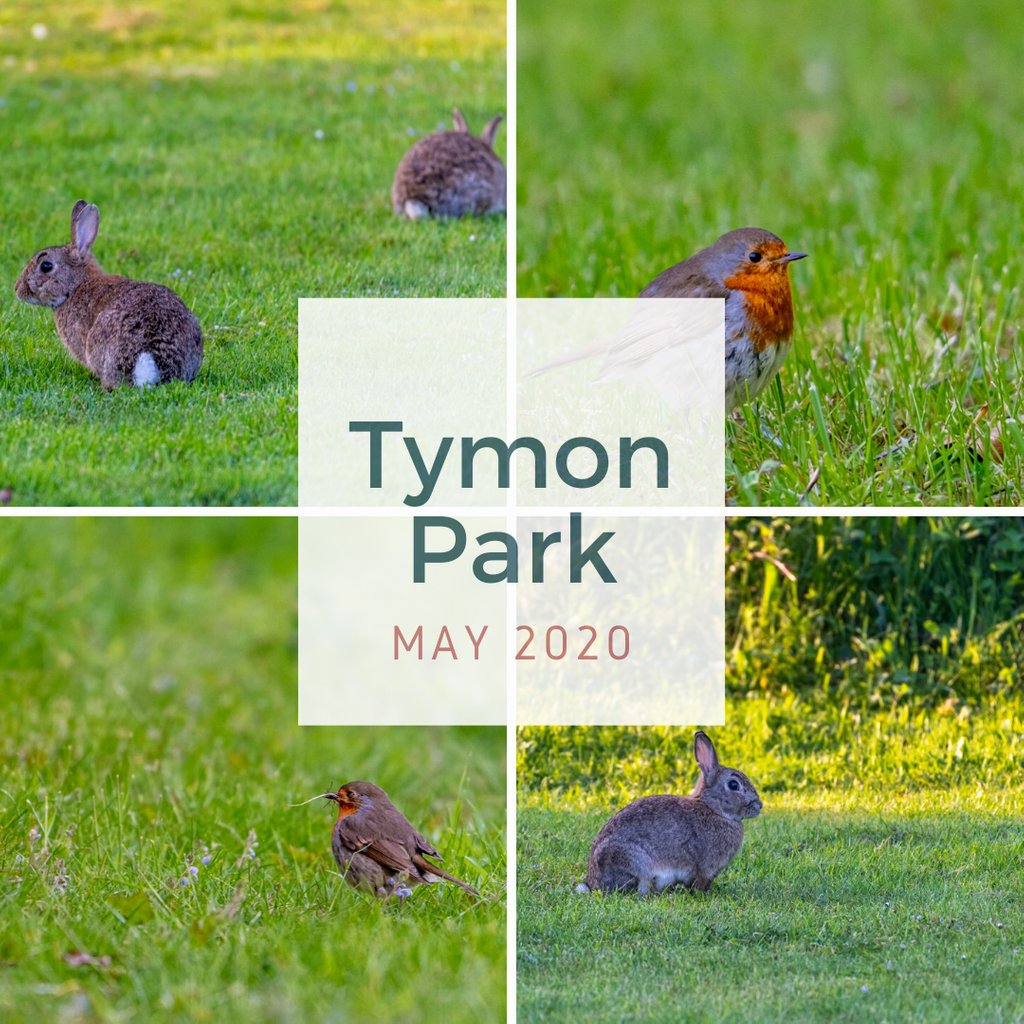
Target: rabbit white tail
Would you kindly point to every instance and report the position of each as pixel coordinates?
(583, 888)
(145, 372)
(415, 210)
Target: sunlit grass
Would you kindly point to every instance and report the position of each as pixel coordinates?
(884, 139)
(245, 159)
(152, 865)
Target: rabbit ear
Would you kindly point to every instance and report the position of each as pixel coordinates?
(460, 121)
(491, 130)
(85, 225)
(704, 752)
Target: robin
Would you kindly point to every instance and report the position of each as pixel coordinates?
(376, 848)
(749, 268)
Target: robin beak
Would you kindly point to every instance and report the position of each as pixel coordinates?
(790, 256)
(331, 796)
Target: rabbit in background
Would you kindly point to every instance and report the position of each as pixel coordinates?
(124, 331)
(451, 174)
(661, 841)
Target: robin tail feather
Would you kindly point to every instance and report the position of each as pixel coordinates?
(432, 869)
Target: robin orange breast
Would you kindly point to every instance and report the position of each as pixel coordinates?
(376, 848)
(749, 268)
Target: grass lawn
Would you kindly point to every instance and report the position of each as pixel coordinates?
(884, 139)
(244, 158)
(146, 724)
(873, 683)
(863, 893)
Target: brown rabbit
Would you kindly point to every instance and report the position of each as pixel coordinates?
(124, 331)
(661, 841)
(451, 174)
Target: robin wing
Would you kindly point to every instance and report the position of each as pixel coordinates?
(422, 846)
(389, 853)
(654, 340)
(672, 345)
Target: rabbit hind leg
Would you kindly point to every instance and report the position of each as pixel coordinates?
(625, 868)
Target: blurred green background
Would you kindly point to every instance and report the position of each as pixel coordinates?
(149, 760)
(884, 138)
(242, 153)
(874, 696)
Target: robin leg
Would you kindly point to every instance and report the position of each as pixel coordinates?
(400, 885)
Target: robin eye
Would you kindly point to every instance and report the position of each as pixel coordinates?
(733, 784)
(754, 257)
(46, 266)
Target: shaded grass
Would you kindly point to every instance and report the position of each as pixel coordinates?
(884, 140)
(245, 161)
(147, 723)
(877, 611)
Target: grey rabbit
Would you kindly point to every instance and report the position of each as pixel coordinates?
(660, 841)
(451, 174)
(124, 331)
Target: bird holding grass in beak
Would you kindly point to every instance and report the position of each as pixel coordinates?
(377, 849)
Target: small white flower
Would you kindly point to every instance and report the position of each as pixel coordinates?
(863, 988)
(40, 31)
(318, 134)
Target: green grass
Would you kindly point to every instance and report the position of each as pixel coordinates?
(198, 139)
(876, 611)
(866, 891)
(886, 140)
(874, 697)
(147, 721)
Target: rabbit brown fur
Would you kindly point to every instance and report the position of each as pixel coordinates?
(124, 331)
(661, 841)
(451, 174)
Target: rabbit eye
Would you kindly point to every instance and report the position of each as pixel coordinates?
(754, 257)
(733, 784)
(46, 266)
